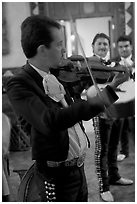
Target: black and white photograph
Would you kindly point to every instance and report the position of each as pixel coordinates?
(68, 101)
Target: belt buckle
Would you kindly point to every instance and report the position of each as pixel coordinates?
(52, 164)
(80, 162)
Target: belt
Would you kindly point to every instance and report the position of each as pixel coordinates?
(79, 161)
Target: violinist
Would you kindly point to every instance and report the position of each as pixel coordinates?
(106, 136)
(58, 141)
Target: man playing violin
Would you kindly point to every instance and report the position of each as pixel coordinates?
(58, 140)
(106, 138)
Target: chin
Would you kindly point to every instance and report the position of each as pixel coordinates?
(55, 66)
(102, 55)
(125, 56)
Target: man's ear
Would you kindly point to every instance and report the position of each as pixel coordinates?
(41, 49)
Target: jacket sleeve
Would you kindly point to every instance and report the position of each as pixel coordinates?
(44, 114)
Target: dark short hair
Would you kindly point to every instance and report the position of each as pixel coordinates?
(124, 38)
(36, 31)
(100, 35)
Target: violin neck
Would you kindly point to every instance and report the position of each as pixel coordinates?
(108, 69)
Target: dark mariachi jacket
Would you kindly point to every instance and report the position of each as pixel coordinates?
(49, 121)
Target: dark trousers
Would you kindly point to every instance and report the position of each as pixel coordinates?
(61, 184)
(106, 144)
(124, 133)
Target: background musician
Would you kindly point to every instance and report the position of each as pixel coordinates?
(106, 133)
(126, 58)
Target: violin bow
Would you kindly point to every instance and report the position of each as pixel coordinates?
(85, 59)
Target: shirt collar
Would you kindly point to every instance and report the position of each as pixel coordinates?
(128, 58)
(41, 73)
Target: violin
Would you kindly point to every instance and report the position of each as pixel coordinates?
(74, 69)
(96, 64)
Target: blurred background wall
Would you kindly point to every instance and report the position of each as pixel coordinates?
(112, 18)
(12, 16)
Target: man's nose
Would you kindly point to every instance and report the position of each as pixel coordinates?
(124, 48)
(63, 49)
(102, 46)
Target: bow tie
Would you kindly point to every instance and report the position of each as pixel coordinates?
(53, 88)
(105, 62)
